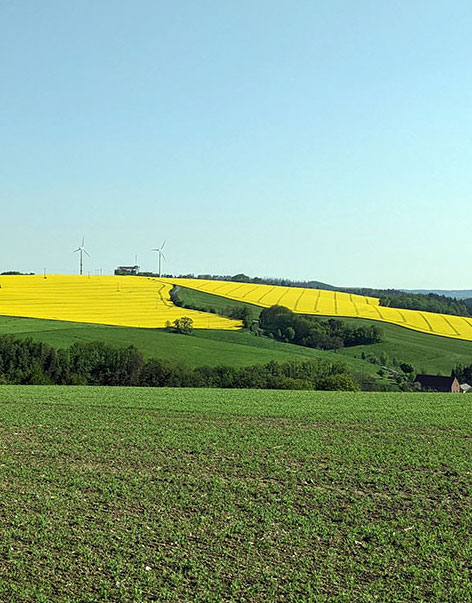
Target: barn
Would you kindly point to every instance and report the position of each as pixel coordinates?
(438, 383)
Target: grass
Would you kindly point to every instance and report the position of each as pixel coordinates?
(208, 301)
(427, 353)
(208, 495)
(202, 347)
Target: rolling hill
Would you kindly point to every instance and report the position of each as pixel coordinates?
(109, 309)
(425, 352)
(111, 300)
(320, 302)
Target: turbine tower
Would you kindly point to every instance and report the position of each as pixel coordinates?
(82, 251)
(161, 255)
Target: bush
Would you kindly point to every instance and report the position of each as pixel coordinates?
(183, 325)
(339, 382)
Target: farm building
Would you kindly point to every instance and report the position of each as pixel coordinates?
(438, 383)
(123, 270)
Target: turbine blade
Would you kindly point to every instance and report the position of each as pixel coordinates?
(75, 250)
(85, 251)
(162, 246)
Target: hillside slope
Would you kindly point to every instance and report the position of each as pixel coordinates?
(202, 347)
(334, 303)
(427, 353)
(111, 300)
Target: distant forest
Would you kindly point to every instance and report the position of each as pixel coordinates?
(430, 302)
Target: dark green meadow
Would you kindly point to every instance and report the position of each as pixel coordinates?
(427, 353)
(127, 494)
(202, 347)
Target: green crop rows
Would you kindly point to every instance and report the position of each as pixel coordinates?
(209, 495)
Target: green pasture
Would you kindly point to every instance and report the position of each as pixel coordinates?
(427, 353)
(202, 347)
(128, 494)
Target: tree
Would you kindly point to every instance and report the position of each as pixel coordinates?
(183, 325)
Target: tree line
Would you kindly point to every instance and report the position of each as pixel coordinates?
(463, 372)
(257, 280)
(332, 334)
(427, 302)
(29, 362)
(280, 323)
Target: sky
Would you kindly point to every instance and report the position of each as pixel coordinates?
(303, 139)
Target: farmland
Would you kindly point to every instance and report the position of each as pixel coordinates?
(203, 347)
(334, 303)
(426, 352)
(110, 300)
(198, 495)
(145, 302)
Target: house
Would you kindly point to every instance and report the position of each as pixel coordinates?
(465, 388)
(123, 270)
(438, 383)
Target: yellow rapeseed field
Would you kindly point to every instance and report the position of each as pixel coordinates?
(112, 300)
(333, 303)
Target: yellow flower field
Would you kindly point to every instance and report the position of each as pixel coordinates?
(334, 303)
(145, 302)
(111, 300)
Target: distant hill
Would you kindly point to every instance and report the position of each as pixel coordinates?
(256, 280)
(313, 284)
(457, 293)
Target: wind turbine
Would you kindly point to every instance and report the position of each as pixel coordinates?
(82, 251)
(161, 255)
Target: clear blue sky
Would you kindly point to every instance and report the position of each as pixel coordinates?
(305, 139)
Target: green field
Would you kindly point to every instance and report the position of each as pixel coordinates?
(130, 494)
(427, 353)
(202, 347)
